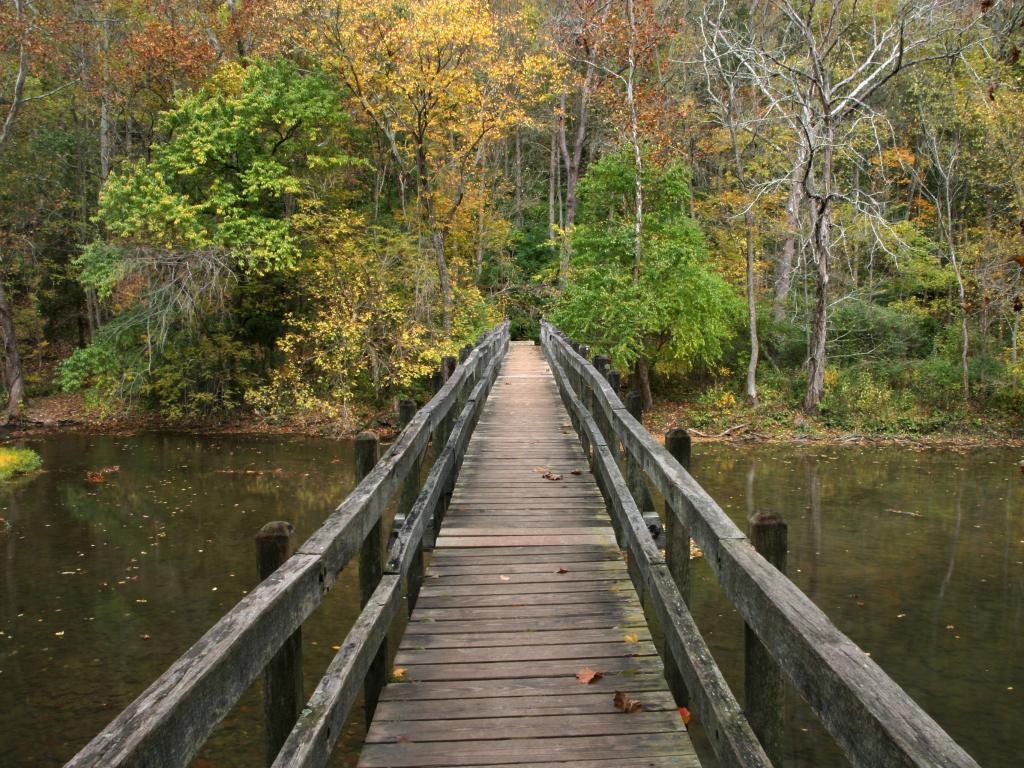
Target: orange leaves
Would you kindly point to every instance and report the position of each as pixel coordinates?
(626, 703)
(100, 475)
(588, 675)
(685, 714)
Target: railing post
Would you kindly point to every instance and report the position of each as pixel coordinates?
(762, 676)
(282, 678)
(448, 365)
(677, 556)
(634, 472)
(410, 490)
(371, 568)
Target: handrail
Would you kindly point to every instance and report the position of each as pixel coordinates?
(732, 739)
(167, 724)
(869, 715)
(310, 742)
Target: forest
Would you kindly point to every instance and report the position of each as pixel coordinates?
(787, 214)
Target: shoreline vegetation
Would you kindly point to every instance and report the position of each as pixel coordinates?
(15, 462)
(707, 422)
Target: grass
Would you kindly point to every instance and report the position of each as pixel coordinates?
(17, 461)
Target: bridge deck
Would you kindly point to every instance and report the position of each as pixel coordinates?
(525, 588)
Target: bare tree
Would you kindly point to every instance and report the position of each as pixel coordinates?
(824, 63)
(723, 78)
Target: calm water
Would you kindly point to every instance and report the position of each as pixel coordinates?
(918, 556)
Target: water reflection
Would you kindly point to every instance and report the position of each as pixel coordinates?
(106, 583)
(917, 555)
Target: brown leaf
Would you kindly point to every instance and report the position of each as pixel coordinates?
(588, 675)
(540, 470)
(626, 703)
(562, 570)
(577, 471)
(551, 476)
(398, 673)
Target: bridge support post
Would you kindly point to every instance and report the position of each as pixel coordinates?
(282, 678)
(371, 568)
(762, 676)
(677, 556)
(410, 490)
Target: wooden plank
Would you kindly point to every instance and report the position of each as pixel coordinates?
(500, 728)
(560, 688)
(513, 707)
(618, 611)
(634, 618)
(516, 602)
(576, 569)
(520, 639)
(620, 649)
(517, 750)
(453, 540)
(529, 583)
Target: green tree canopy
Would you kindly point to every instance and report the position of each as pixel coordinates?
(681, 311)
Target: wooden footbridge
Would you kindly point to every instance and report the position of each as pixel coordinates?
(548, 628)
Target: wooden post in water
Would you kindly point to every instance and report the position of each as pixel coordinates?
(282, 678)
(410, 490)
(677, 556)
(371, 568)
(762, 676)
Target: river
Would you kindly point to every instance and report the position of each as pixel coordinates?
(918, 555)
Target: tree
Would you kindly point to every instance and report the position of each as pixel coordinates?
(439, 83)
(819, 73)
(680, 311)
(212, 214)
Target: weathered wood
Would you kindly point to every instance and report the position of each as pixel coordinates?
(762, 681)
(526, 586)
(167, 724)
(871, 718)
(320, 724)
(635, 475)
(371, 568)
(734, 743)
(282, 679)
(677, 557)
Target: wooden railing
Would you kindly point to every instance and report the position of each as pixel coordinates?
(871, 718)
(168, 723)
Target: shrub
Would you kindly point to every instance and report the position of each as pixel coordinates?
(17, 461)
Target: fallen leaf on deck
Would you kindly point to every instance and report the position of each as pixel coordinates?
(577, 471)
(588, 675)
(695, 551)
(551, 476)
(626, 703)
(541, 470)
(505, 578)
(562, 570)
(631, 638)
(398, 673)
(685, 714)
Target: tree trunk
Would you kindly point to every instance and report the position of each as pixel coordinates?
(821, 244)
(748, 219)
(12, 372)
(1014, 335)
(438, 236)
(784, 274)
(638, 158)
(552, 186)
(642, 376)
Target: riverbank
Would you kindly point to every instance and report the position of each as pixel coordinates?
(728, 420)
(723, 420)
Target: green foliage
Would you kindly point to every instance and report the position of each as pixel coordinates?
(232, 168)
(17, 461)
(680, 311)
